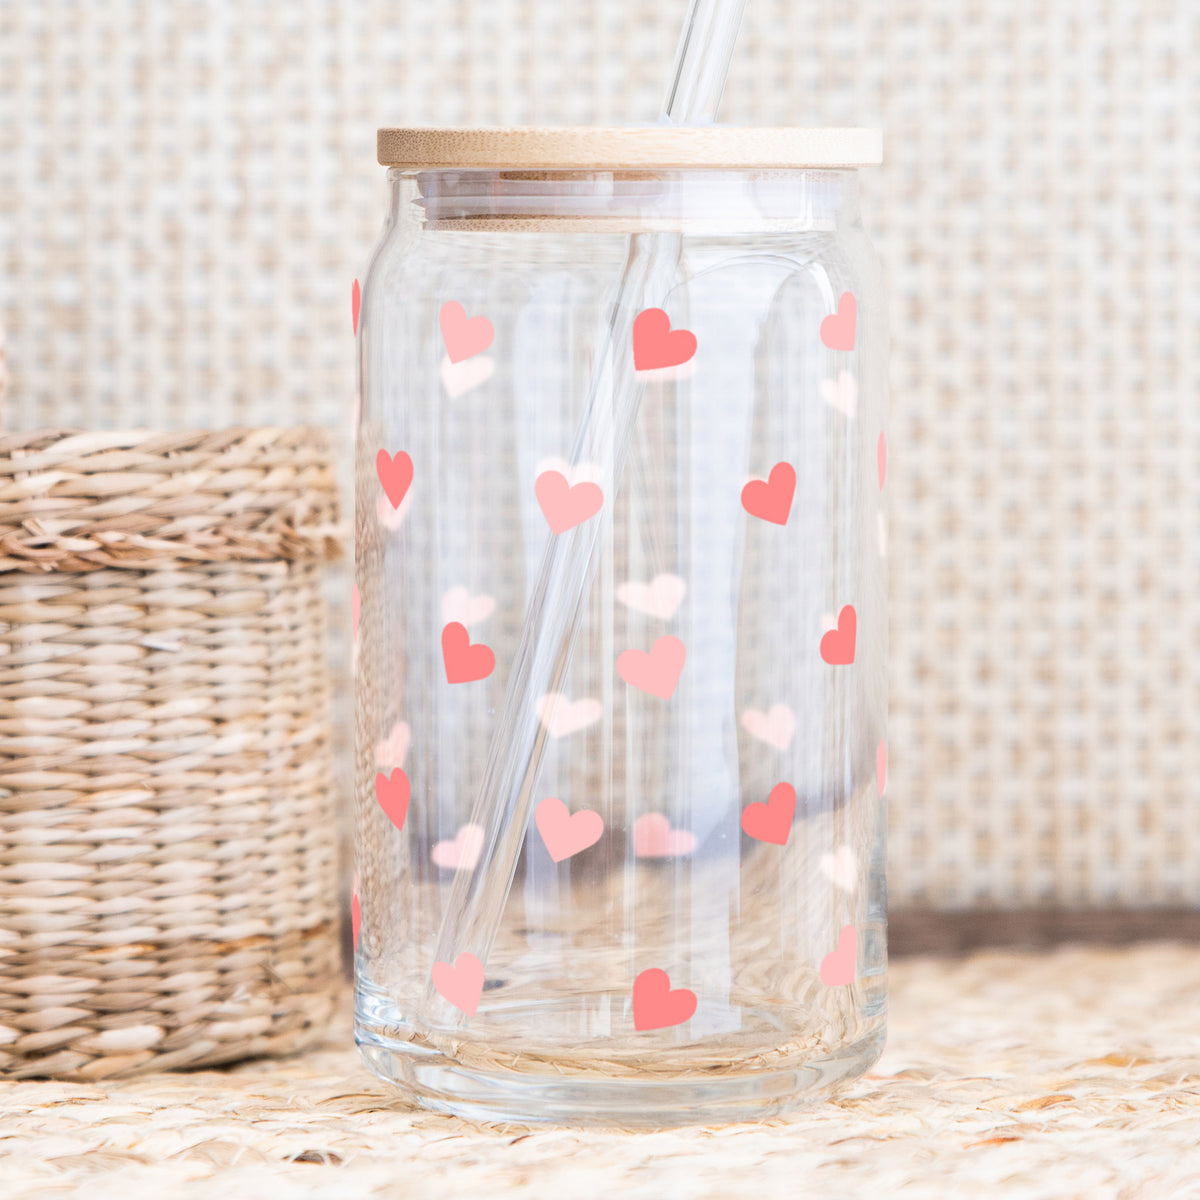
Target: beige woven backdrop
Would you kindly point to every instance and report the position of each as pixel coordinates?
(187, 191)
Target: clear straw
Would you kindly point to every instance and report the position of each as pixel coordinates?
(504, 801)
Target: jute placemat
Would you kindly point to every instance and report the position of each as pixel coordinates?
(1074, 1073)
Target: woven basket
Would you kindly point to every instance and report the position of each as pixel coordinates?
(168, 873)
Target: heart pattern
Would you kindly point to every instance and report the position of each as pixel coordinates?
(355, 607)
(656, 1005)
(561, 717)
(772, 821)
(841, 393)
(837, 646)
(392, 792)
(881, 459)
(656, 672)
(838, 331)
(396, 475)
(462, 851)
(563, 505)
(841, 867)
(465, 663)
(458, 605)
(656, 345)
(462, 377)
(464, 338)
(355, 917)
(355, 303)
(837, 967)
(393, 749)
(661, 597)
(776, 727)
(565, 833)
(771, 499)
(461, 984)
(392, 518)
(653, 837)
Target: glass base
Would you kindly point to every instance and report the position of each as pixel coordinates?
(438, 1082)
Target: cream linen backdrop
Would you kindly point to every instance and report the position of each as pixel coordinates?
(188, 189)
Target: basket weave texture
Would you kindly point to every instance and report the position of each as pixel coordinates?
(167, 870)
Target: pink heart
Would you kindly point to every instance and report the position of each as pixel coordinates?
(841, 867)
(582, 472)
(772, 821)
(395, 474)
(355, 916)
(771, 499)
(355, 607)
(837, 331)
(460, 378)
(653, 837)
(393, 795)
(561, 717)
(459, 605)
(775, 727)
(355, 302)
(566, 833)
(881, 765)
(841, 393)
(461, 852)
(838, 967)
(656, 672)
(461, 984)
(655, 345)
(393, 750)
(837, 646)
(392, 518)
(465, 663)
(881, 459)
(463, 337)
(565, 506)
(655, 1005)
(661, 597)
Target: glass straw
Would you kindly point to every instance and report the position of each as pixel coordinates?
(504, 801)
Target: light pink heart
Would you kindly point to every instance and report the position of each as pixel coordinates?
(461, 853)
(881, 459)
(657, 671)
(392, 518)
(841, 393)
(464, 338)
(461, 984)
(653, 837)
(837, 968)
(562, 717)
(584, 472)
(661, 597)
(393, 750)
(838, 331)
(563, 505)
(460, 378)
(841, 867)
(776, 727)
(459, 605)
(566, 833)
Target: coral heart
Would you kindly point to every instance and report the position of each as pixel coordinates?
(355, 917)
(459, 378)
(841, 867)
(661, 597)
(459, 605)
(355, 607)
(881, 459)
(465, 663)
(561, 717)
(656, 672)
(653, 837)
(837, 331)
(841, 393)
(771, 499)
(838, 967)
(393, 750)
(881, 765)
(565, 506)
(355, 302)
(566, 833)
(775, 727)
(392, 794)
(395, 474)
(464, 338)
(837, 646)
(461, 984)
(772, 821)
(462, 851)
(655, 1005)
(656, 345)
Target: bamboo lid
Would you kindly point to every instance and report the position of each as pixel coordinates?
(671, 147)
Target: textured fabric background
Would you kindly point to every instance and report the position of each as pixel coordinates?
(187, 190)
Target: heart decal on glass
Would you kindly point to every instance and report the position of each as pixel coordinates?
(461, 852)
(355, 917)
(661, 597)
(395, 474)
(393, 793)
(881, 459)
(881, 765)
(837, 968)
(771, 499)
(841, 393)
(657, 345)
(837, 331)
(772, 821)
(656, 1005)
(461, 984)
(465, 663)
(561, 717)
(464, 338)
(841, 867)
(355, 607)
(566, 833)
(656, 672)
(459, 605)
(837, 646)
(393, 750)
(355, 303)
(775, 727)
(565, 506)
(460, 378)
(653, 837)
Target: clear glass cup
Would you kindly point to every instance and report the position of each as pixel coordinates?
(696, 930)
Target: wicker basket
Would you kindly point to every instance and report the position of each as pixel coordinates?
(168, 874)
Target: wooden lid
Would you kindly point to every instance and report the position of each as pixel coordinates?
(672, 147)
